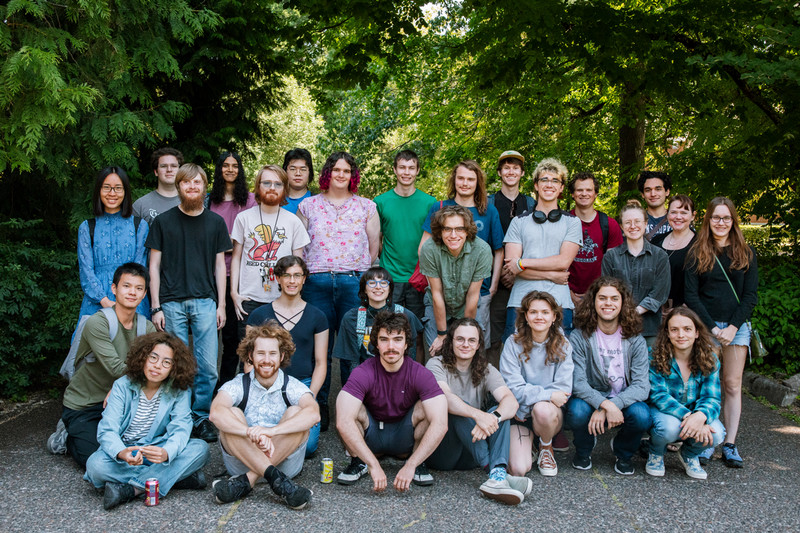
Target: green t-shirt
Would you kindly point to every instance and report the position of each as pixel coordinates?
(401, 226)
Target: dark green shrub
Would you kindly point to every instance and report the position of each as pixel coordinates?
(39, 300)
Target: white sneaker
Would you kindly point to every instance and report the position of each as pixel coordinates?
(501, 491)
(547, 463)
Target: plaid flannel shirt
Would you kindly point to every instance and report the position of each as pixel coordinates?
(701, 393)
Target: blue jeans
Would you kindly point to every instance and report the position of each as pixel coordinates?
(101, 469)
(201, 315)
(511, 317)
(313, 433)
(334, 293)
(666, 429)
(458, 452)
(626, 443)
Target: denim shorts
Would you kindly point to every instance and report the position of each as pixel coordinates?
(742, 337)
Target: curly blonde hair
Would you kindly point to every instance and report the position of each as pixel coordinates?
(271, 329)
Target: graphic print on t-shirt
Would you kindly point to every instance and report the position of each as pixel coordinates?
(264, 249)
(588, 252)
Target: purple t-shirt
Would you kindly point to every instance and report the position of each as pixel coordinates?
(389, 396)
(228, 211)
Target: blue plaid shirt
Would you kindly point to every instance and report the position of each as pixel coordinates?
(701, 393)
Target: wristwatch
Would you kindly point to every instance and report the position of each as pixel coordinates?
(154, 310)
(497, 414)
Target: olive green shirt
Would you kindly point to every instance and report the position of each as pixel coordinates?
(456, 273)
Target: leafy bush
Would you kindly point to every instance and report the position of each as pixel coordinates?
(39, 297)
(775, 317)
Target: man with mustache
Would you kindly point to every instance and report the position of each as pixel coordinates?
(263, 418)
(187, 283)
(391, 405)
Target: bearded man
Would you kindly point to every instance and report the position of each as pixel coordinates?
(262, 235)
(264, 418)
(187, 283)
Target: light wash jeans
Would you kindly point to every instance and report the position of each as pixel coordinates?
(666, 429)
(101, 469)
(201, 315)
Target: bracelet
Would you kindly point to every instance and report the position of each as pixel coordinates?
(440, 332)
(155, 310)
(519, 264)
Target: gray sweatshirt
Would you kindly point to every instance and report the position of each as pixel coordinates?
(534, 381)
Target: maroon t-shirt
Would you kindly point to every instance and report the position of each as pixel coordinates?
(588, 263)
(389, 396)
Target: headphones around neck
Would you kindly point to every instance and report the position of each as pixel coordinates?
(553, 216)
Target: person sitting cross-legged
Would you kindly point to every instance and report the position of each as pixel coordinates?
(476, 437)
(264, 417)
(391, 405)
(144, 432)
(685, 393)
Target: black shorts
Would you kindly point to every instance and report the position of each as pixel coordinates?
(390, 438)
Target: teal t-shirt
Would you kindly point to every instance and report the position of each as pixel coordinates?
(401, 225)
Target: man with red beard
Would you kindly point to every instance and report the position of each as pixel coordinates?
(264, 417)
(187, 283)
(262, 235)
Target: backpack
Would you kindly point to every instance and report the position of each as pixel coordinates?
(246, 391)
(70, 364)
(604, 228)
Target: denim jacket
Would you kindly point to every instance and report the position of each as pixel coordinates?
(170, 430)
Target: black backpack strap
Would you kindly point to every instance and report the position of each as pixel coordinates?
(245, 391)
(604, 229)
(283, 390)
(92, 223)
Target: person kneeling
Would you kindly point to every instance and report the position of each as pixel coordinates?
(391, 405)
(475, 437)
(264, 417)
(684, 393)
(145, 429)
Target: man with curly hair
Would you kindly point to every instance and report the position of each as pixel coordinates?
(476, 437)
(264, 417)
(610, 381)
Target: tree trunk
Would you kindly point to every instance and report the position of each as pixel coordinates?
(631, 138)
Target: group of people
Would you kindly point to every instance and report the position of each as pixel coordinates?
(637, 324)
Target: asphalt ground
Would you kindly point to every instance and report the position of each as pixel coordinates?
(42, 492)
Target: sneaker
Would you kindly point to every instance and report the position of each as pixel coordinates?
(581, 463)
(354, 471)
(655, 465)
(57, 442)
(194, 481)
(547, 463)
(692, 466)
(523, 484)
(231, 489)
(560, 442)
(205, 430)
(422, 477)
(730, 456)
(295, 496)
(498, 488)
(116, 494)
(705, 456)
(623, 467)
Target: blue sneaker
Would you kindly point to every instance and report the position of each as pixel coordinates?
(692, 466)
(705, 456)
(730, 456)
(655, 465)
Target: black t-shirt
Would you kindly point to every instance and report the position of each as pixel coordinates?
(312, 321)
(189, 246)
(509, 209)
(677, 259)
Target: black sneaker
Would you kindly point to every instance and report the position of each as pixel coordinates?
(116, 494)
(581, 463)
(623, 467)
(205, 430)
(354, 471)
(422, 476)
(295, 496)
(231, 489)
(194, 481)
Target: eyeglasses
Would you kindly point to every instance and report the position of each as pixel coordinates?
(554, 181)
(458, 230)
(373, 283)
(271, 184)
(119, 189)
(472, 341)
(154, 358)
(631, 223)
(292, 276)
(724, 220)
(298, 170)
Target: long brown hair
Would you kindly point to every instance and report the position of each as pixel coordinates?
(556, 344)
(479, 366)
(481, 198)
(184, 366)
(586, 314)
(705, 250)
(703, 359)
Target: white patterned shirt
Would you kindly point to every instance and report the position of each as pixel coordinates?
(265, 407)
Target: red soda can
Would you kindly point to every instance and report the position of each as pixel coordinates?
(151, 492)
